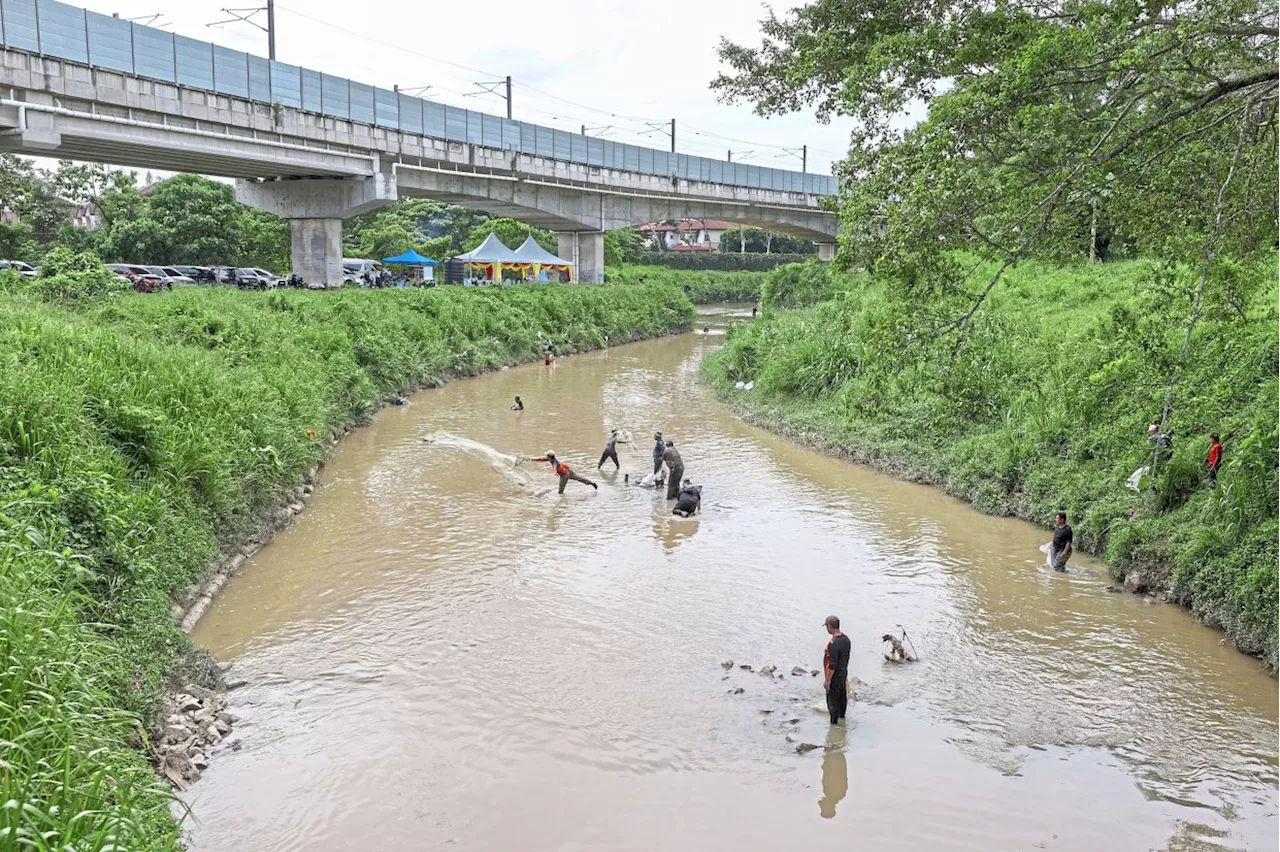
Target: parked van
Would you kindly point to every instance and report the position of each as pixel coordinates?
(354, 270)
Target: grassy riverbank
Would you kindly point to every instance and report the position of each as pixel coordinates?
(138, 437)
(1046, 406)
(701, 286)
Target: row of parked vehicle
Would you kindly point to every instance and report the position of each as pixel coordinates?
(149, 279)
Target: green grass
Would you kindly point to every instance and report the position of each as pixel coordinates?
(701, 286)
(1046, 407)
(139, 436)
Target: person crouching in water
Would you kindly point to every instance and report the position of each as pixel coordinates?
(675, 469)
(689, 500)
(562, 470)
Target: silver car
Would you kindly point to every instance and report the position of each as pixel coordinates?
(24, 270)
(171, 276)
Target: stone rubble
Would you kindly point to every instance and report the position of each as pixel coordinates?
(196, 722)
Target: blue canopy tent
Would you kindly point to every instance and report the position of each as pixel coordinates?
(412, 258)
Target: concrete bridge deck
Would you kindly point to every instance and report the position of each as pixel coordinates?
(72, 85)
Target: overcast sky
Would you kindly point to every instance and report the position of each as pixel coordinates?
(601, 63)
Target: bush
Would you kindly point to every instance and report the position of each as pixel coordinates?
(71, 277)
(702, 287)
(716, 260)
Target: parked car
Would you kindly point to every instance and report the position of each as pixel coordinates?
(248, 278)
(222, 274)
(142, 278)
(24, 270)
(276, 280)
(199, 274)
(171, 276)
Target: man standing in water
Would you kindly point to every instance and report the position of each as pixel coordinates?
(658, 449)
(562, 470)
(675, 469)
(519, 406)
(835, 670)
(1060, 549)
(611, 450)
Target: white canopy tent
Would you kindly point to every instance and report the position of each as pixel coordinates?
(532, 253)
(490, 256)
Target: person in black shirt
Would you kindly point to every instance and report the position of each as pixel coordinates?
(835, 669)
(519, 406)
(1060, 550)
(659, 447)
(611, 451)
(689, 500)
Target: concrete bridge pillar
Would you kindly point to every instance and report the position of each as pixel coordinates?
(826, 251)
(315, 208)
(585, 249)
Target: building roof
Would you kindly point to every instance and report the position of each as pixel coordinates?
(693, 247)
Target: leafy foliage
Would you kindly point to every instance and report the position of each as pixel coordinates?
(719, 261)
(759, 241)
(702, 287)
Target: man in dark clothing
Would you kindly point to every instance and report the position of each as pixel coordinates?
(835, 670)
(562, 470)
(689, 500)
(519, 406)
(1060, 550)
(659, 448)
(675, 469)
(1215, 459)
(611, 450)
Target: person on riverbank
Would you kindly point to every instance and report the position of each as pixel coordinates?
(564, 472)
(611, 450)
(689, 500)
(1061, 548)
(675, 469)
(1163, 442)
(754, 311)
(835, 670)
(1215, 459)
(519, 406)
(659, 448)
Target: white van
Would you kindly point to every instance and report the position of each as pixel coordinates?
(354, 270)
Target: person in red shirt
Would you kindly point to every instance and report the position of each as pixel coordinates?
(1215, 459)
(562, 470)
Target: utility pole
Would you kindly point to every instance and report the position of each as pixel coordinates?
(508, 97)
(271, 29)
(673, 135)
(245, 16)
(804, 159)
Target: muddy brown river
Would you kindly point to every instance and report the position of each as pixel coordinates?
(444, 653)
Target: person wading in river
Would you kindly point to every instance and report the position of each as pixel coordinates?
(562, 470)
(519, 406)
(835, 670)
(611, 450)
(659, 448)
(1060, 549)
(675, 469)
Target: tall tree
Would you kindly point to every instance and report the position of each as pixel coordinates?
(1044, 120)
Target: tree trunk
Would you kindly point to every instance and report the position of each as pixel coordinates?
(1093, 234)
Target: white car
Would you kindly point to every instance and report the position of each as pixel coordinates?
(24, 270)
(171, 276)
(271, 278)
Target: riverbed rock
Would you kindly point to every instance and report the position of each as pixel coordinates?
(175, 734)
(229, 718)
(187, 703)
(746, 667)
(296, 507)
(737, 690)
(766, 712)
(805, 748)
(768, 670)
(236, 684)
(799, 670)
(308, 489)
(814, 672)
(727, 664)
